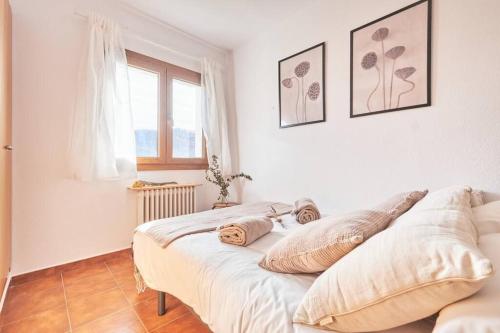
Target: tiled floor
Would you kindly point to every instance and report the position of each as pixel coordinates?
(94, 295)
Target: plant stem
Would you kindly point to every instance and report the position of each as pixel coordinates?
(383, 70)
(392, 80)
(407, 91)
(374, 90)
(303, 106)
(297, 102)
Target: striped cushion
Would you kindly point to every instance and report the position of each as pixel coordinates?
(400, 203)
(319, 244)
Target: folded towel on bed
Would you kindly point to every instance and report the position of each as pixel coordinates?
(245, 230)
(305, 211)
(165, 231)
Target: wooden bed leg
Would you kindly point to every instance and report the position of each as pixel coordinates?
(162, 309)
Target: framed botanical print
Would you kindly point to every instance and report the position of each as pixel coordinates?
(391, 62)
(301, 87)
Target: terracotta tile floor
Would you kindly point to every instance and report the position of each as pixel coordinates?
(95, 295)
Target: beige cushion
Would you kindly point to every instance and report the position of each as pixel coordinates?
(487, 218)
(481, 312)
(425, 261)
(398, 204)
(318, 244)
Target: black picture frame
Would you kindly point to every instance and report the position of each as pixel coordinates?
(429, 60)
(323, 51)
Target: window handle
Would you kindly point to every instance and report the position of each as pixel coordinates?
(7, 147)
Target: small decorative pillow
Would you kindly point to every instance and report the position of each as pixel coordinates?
(425, 261)
(319, 244)
(487, 218)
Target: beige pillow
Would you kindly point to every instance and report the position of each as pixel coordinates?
(426, 260)
(398, 204)
(481, 312)
(319, 244)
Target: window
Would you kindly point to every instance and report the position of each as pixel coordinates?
(144, 98)
(166, 106)
(186, 114)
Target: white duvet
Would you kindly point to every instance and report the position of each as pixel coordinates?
(225, 286)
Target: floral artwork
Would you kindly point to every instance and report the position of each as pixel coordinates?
(390, 62)
(301, 86)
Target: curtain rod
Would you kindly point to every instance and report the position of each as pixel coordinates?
(148, 41)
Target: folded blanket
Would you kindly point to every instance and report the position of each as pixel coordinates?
(245, 230)
(306, 211)
(165, 231)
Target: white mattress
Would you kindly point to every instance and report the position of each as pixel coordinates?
(226, 287)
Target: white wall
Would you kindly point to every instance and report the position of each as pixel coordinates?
(347, 163)
(56, 220)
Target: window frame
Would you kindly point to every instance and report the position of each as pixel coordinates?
(167, 73)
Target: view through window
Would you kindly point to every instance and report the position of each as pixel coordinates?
(186, 111)
(144, 101)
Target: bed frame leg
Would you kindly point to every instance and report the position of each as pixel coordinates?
(162, 309)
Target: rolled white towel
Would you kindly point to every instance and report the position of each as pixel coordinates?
(306, 211)
(245, 230)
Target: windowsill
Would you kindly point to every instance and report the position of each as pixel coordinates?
(157, 167)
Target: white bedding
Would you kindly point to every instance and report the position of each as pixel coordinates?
(225, 286)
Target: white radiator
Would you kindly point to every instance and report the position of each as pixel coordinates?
(159, 202)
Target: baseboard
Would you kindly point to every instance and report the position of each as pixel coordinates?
(4, 291)
(17, 274)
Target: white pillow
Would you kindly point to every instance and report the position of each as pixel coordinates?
(481, 312)
(487, 218)
(425, 261)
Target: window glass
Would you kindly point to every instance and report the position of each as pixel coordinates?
(187, 137)
(145, 105)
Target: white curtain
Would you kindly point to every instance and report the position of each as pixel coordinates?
(214, 114)
(102, 141)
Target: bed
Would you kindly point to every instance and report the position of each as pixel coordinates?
(225, 286)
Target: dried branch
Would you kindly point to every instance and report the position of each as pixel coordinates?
(214, 175)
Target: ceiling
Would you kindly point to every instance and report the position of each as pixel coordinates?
(223, 23)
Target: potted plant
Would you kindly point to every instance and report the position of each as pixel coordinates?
(214, 175)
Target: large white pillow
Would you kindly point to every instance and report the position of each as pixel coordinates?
(481, 312)
(425, 261)
(487, 218)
